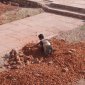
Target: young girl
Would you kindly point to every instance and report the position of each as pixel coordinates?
(45, 45)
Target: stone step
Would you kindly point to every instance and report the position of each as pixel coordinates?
(67, 7)
(60, 9)
(64, 12)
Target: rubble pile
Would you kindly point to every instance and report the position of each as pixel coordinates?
(65, 66)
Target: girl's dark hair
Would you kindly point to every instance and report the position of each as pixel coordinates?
(13, 52)
(41, 36)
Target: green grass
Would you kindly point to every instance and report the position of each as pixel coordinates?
(82, 27)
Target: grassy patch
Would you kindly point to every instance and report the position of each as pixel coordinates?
(82, 27)
(18, 14)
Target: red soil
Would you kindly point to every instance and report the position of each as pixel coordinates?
(5, 7)
(65, 66)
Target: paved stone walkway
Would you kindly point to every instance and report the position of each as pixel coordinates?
(74, 3)
(18, 33)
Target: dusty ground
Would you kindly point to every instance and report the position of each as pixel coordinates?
(9, 13)
(4, 8)
(74, 35)
(64, 67)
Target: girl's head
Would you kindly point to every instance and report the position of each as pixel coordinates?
(13, 52)
(41, 36)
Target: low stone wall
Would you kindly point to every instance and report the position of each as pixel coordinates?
(21, 2)
(27, 3)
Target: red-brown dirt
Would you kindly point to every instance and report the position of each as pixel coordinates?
(6, 7)
(64, 67)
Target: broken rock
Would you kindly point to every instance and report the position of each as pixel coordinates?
(65, 69)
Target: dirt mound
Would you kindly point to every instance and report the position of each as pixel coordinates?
(64, 67)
